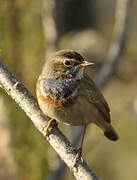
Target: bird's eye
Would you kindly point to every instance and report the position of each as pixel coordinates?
(67, 62)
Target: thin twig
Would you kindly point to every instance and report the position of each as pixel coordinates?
(57, 140)
(118, 43)
(50, 26)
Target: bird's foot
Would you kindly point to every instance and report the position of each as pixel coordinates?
(49, 126)
(78, 155)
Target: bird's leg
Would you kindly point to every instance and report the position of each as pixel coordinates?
(49, 125)
(78, 150)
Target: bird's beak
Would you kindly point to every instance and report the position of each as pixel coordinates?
(86, 63)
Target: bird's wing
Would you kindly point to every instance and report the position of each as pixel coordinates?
(95, 97)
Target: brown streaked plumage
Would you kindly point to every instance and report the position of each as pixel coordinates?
(66, 93)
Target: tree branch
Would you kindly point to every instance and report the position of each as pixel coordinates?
(49, 25)
(57, 140)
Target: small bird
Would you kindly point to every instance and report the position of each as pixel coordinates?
(66, 93)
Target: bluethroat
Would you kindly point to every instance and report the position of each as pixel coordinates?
(66, 93)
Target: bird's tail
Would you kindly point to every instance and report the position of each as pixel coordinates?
(110, 133)
(108, 130)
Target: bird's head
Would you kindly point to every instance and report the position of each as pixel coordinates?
(65, 64)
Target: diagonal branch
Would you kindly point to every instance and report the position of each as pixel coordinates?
(28, 103)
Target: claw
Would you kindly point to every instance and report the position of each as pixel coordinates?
(78, 155)
(70, 149)
(49, 125)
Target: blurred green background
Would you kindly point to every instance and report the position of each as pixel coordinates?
(87, 27)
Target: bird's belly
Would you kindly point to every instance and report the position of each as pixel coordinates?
(80, 113)
(76, 113)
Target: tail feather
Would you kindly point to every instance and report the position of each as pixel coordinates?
(108, 130)
(111, 134)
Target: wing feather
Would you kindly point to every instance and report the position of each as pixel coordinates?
(95, 97)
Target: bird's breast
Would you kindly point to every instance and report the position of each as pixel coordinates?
(57, 93)
(69, 106)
